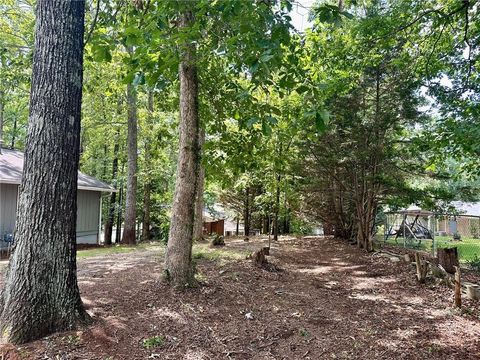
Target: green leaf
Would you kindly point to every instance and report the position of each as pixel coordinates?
(128, 79)
(347, 14)
(301, 89)
(252, 121)
(272, 120)
(319, 123)
(266, 129)
(325, 115)
(101, 53)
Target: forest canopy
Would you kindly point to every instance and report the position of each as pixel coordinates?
(373, 106)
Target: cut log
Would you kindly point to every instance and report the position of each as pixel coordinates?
(422, 268)
(472, 292)
(448, 258)
(259, 258)
(458, 288)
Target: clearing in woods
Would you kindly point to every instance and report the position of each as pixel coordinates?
(330, 300)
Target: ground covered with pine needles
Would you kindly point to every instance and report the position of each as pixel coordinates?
(325, 299)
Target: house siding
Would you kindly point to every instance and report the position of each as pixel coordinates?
(8, 208)
(88, 204)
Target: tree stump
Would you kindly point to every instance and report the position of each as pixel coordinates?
(422, 268)
(472, 292)
(448, 258)
(259, 257)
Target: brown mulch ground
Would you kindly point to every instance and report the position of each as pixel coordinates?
(331, 301)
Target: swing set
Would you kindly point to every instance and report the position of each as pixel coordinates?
(415, 226)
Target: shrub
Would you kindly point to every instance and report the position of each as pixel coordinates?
(475, 228)
(153, 341)
(218, 240)
(474, 263)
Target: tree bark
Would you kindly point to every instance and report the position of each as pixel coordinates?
(198, 226)
(277, 209)
(1, 120)
(448, 258)
(147, 187)
(14, 133)
(179, 249)
(128, 237)
(113, 196)
(246, 214)
(41, 294)
(118, 230)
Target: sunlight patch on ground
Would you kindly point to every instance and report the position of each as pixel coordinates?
(87, 302)
(365, 283)
(359, 273)
(371, 297)
(317, 270)
(406, 334)
(86, 282)
(325, 269)
(117, 322)
(195, 355)
(170, 314)
(389, 343)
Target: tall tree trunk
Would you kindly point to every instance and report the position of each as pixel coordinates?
(147, 186)
(118, 230)
(2, 109)
(14, 133)
(246, 214)
(198, 225)
(113, 196)
(146, 211)
(41, 294)
(277, 210)
(131, 192)
(1, 120)
(179, 249)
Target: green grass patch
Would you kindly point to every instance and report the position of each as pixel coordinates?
(153, 342)
(205, 252)
(114, 249)
(199, 251)
(467, 248)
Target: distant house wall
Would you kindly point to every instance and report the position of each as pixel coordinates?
(88, 213)
(8, 208)
(231, 228)
(467, 226)
(214, 227)
(88, 205)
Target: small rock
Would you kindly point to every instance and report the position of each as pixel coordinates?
(249, 316)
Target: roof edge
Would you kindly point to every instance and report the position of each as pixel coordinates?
(88, 188)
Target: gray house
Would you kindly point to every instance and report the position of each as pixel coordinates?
(89, 199)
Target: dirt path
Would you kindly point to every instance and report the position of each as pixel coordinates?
(330, 302)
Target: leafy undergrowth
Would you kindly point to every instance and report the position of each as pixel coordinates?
(331, 301)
